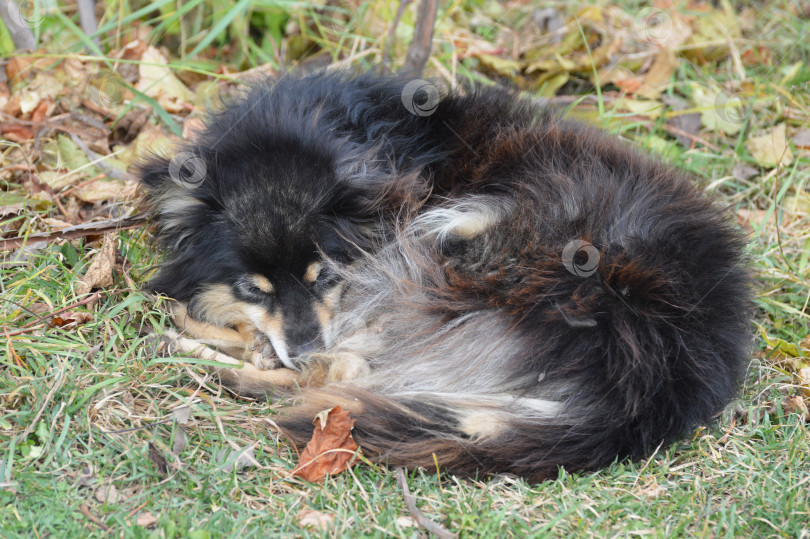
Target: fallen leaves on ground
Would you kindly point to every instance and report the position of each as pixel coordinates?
(100, 272)
(310, 518)
(331, 449)
(771, 148)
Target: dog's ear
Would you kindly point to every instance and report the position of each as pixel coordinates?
(176, 195)
(153, 172)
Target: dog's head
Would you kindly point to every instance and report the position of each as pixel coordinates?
(252, 242)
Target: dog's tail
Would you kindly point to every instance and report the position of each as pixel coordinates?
(467, 434)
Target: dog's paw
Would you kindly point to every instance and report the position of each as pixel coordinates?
(339, 366)
(261, 353)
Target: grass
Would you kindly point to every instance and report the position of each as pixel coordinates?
(90, 414)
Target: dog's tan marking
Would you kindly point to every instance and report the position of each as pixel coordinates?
(262, 283)
(217, 305)
(244, 375)
(473, 226)
(482, 424)
(334, 367)
(272, 323)
(326, 308)
(239, 342)
(313, 270)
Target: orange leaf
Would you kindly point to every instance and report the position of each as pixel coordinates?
(331, 449)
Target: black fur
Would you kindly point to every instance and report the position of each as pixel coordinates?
(638, 352)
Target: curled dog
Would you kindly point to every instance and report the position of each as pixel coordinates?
(482, 283)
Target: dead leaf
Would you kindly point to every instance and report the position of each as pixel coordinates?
(331, 449)
(146, 520)
(100, 272)
(720, 110)
(310, 518)
(239, 459)
(181, 414)
(158, 460)
(56, 224)
(43, 110)
(99, 191)
(406, 522)
(743, 172)
(180, 440)
(158, 81)
(659, 74)
(652, 489)
(795, 405)
(802, 139)
(16, 132)
(107, 494)
(771, 149)
(71, 318)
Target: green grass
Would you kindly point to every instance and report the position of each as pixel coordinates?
(102, 393)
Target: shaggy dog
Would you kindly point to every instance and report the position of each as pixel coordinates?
(480, 282)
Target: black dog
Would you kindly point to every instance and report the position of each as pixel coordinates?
(479, 282)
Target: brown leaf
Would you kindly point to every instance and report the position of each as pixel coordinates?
(310, 518)
(772, 148)
(100, 272)
(43, 110)
(802, 139)
(331, 449)
(147, 520)
(107, 494)
(158, 460)
(16, 132)
(74, 318)
(659, 74)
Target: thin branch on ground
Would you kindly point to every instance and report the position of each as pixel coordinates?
(419, 51)
(421, 519)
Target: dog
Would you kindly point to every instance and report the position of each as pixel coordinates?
(482, 283)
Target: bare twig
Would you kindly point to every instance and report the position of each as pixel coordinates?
(31, 326)
(77, 231)
(391, 33)
(87, 17)
(419, 50)
(98, 160)
(421, 519)
(94, 519)
(21, 34)
(60, 378)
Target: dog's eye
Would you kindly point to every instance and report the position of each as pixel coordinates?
(255, 286)
(326, 278)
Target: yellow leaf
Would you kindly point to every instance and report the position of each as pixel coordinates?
(771, 149)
